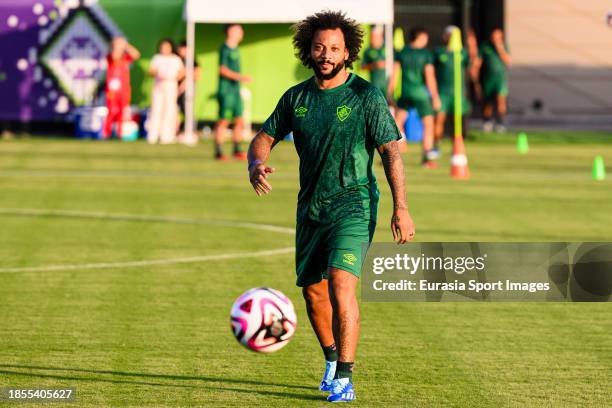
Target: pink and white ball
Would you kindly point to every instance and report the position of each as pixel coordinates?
(263, 320)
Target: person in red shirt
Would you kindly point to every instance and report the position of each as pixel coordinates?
(117, 89)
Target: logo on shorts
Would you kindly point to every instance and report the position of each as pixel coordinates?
(343, 112)
(301, 112)
(349, 259)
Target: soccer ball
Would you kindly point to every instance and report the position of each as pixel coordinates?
(263, 320)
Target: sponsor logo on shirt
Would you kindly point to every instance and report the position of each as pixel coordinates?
(349, 259)
(301, 112)
(343, 112)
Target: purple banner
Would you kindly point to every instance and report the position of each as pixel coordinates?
(52, 57)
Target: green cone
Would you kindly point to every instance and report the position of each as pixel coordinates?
(522, 145)
(599, 170)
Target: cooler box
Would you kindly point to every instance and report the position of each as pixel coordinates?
(144, 122)
(414, 127)
(129, 131)
(130, 128)
(89, 122)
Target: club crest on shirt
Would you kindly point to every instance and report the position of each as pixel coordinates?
(343, 112)
(301, 112)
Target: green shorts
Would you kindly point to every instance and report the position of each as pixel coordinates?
(421, 102)
(494, 86)
(447, 104)
(230, 105)
(340, 245)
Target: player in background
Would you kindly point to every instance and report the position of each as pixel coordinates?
(419, 89)
(471, 43)
(182, 53)
(445, 71)
(228, 95)
(338, 119)
(167, 69)
(374, 59)
(117, 89)
(495, 60)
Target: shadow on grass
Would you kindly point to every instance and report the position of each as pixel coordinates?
(161, 377)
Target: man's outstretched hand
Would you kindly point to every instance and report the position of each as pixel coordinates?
(402, 226)
(258, 173)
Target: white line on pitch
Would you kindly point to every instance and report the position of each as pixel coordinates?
(145, 218)
(153, 262)
(151, 218)
(127, 174)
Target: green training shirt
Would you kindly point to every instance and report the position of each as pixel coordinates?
(413, 61)
(229, 57)
(492, 65)
(335, 132)
(445, 71)
(377, 75)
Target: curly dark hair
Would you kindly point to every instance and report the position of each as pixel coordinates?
(416, 32)
(305, 30)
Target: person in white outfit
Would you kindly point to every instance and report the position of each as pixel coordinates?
(168, 69)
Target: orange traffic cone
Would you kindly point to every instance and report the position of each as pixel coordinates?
(459, 161)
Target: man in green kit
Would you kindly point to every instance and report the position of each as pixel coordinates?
(419, 89)
(374, 59)
(338, 119)
(228, 95)
(495, 60)
(445, 71)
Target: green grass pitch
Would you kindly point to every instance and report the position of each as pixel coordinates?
(158, 335)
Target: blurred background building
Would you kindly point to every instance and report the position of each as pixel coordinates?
(561, 73)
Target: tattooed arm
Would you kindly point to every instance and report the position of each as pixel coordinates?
(402, 226)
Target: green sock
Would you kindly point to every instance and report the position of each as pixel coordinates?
(218, 150)
(331, 353)
(237, 148)
(344, 370)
